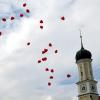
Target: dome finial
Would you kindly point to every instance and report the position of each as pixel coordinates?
(81, 39)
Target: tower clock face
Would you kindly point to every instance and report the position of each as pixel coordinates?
(83, 88)
(93, 88)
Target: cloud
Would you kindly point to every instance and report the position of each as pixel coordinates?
(75, 98)
(49, 98)
(22, 78)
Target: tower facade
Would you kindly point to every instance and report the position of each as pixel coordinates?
(87, 86)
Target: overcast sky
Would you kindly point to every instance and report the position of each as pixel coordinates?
(21, 77)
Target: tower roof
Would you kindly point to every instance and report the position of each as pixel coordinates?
(83, 53)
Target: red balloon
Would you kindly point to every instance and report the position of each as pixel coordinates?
(28, 43)
(46, 69)
(49, 83)
(51, 77)
(50, 45)
(41, 27)
(41, 21)
(24, 4)
(44, 51)
(52, 70)
(21, 15)
(68, 75)
(27, 10)
(62, 18)
(4, 19)
(0, 33)
(39, 61)
(56, 51)
(12, 18)
(44, 59)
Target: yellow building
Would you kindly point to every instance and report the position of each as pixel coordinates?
(87, 86)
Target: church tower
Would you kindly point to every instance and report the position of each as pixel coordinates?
(87, 86)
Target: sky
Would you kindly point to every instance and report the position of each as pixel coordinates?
(21, 76)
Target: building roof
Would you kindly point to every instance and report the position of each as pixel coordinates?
(83, 54)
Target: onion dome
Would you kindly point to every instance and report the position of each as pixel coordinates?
(83, 53)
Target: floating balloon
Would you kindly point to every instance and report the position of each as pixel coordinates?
(56, 51)
(62, 18)
(27, 10)
(52, 70)
(12, 18)
(24, 4)
(28, 43)
(68, 75)
(44, 51)
(46, 69)
(44, 59)
(39, 61)
(50, 45)
(51, 77)
(41, 27)
(21, 15)
(4, 19)
(49, 83)
(41, 21)
(0, 33)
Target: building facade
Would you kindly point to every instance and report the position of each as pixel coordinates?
(87, 86)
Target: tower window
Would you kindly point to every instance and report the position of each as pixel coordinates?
(81, 73)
